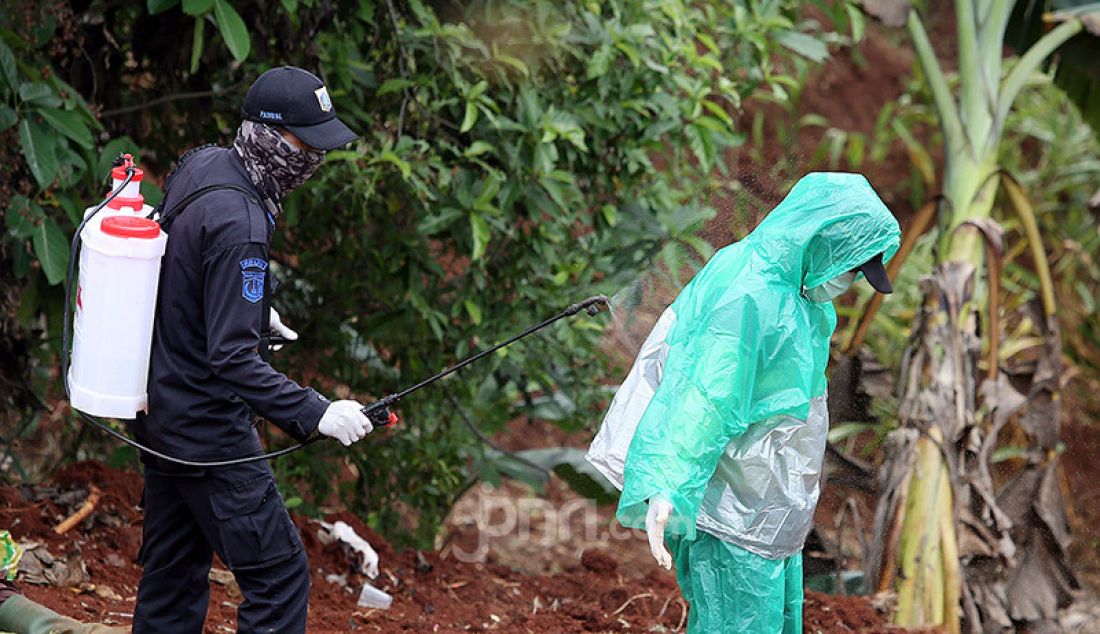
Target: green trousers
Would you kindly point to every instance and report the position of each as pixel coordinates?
(20, 615)
(730, 589)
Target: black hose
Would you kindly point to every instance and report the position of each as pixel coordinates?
(74, 252)
(591, 304)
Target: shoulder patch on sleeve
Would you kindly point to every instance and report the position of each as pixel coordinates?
(252, 279)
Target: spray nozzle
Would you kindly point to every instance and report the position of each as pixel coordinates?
(590, 305)
(598, 302)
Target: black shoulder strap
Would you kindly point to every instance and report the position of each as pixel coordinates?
(165, 217)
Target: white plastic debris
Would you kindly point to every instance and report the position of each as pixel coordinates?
(372, 597)
(346, 535)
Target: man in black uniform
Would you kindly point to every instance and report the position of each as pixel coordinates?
(207, 372)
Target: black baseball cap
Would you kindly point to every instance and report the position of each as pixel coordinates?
(297, 100)
(876, 274)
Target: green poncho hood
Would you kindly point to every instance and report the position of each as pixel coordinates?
(747, 344)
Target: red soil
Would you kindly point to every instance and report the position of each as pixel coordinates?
(431, 594)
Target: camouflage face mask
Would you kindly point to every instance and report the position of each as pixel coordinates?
(274, 165)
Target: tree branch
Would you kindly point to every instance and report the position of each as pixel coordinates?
(179, 96)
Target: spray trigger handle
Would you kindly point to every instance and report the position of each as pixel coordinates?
(379, 413)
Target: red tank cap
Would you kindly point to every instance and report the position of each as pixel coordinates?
(131, 227)
(118, 202)
(119, 174)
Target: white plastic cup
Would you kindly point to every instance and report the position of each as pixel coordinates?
(371, 597)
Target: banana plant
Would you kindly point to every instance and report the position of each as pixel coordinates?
(958, 553)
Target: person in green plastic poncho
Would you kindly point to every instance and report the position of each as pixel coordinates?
(717, 435)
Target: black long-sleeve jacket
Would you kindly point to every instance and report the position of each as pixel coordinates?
(206, 372)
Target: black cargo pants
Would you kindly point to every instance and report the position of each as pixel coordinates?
(237, 513)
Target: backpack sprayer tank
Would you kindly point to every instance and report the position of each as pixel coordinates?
(115, 300)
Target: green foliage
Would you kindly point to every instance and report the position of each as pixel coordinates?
(1056, 156)
(1075, 72)
(516, 156)
(230, 25)
(47, 143)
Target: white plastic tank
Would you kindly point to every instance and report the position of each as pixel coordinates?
(115, 301)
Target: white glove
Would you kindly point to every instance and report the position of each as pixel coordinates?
(279, 327)
(656, 519)
(345, 421)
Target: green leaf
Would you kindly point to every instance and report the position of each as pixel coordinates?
(197, 43)
(52, 250)
(508, 465)
(857, 21)
(396, 84)
(610, 214)
(71, 124)
(474, 311)
(918, 154)
(7, 66)
(470, 119)
(197, 7)
(291, 7)
(7, 117)
(159, 6)
(476, 148)
(719, 112)
(844, 431)
(570, 465)
(480, 230)
(709, 42)
(712, 124)
(233, 30)
(39, 94)
(388, 156)
(514, 62)
(38, 144)
(342, 155)
(22, 216)
(436, 223)
(600, 62)
(807, 46)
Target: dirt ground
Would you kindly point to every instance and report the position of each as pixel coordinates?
(592, 591)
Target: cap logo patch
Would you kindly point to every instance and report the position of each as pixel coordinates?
(323, 99)
(274, 116)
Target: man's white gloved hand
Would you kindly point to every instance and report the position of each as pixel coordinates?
(345, 421)
(656, 520)
(278, 327)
